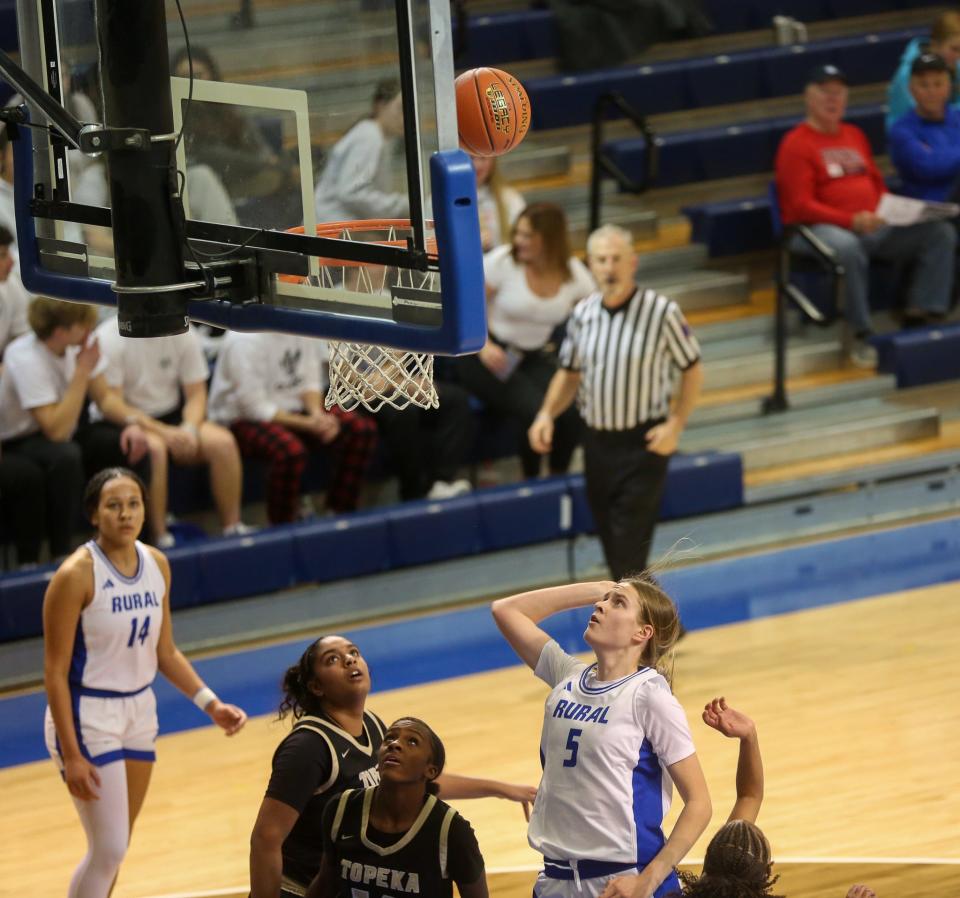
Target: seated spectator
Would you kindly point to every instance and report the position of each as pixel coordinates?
(925, 142)
(945, 42)
(428, 447)
(48, 376)
(268, 388)
(498, 205)
(8, 216)
(738, 860)
(357, 180)
(150, 376)
(23, 506)
(219, 136)
(827, 178)
(532, 286)
(14, 299)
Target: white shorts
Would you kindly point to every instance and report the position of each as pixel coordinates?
(110, 729)
(547, 887)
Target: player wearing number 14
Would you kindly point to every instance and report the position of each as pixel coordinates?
(106, 632)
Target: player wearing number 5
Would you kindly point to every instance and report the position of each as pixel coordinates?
(107, 630)
(614, 740)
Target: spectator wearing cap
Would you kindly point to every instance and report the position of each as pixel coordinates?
(827, 179)
(945, 42)
(925, 142)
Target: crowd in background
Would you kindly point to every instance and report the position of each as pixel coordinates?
(75, 397)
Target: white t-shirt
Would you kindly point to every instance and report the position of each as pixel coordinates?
(8, 217)
(518, 316)
(150, 373)
(258, 375)
(33, 377)
(14, 301)
(514, 204)
(358, 179)
(605, 747)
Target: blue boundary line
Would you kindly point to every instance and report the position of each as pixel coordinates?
(456, 643)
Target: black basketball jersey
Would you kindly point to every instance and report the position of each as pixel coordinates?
(382, 865)
(315, 762)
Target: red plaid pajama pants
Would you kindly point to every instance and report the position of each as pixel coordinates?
(286, 452)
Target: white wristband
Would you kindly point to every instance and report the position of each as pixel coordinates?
(203, 697)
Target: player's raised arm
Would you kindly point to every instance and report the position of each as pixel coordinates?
(736, 725)
(517, 616)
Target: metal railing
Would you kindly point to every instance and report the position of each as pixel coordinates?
(601, 165)
(788, 293)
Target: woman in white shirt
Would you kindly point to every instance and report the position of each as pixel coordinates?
(358, 178)
(532, 286)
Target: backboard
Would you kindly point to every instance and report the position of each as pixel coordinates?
(296, 113)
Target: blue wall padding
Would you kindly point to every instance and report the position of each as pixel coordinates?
(425, 532)
(348, 545)
(517, 515)
(247, 565)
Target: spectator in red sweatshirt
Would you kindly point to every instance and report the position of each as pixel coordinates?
(826, 178)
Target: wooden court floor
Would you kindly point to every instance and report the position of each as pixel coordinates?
(857, 712)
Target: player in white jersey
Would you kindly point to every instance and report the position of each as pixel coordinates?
(107, 630)
(614, 740)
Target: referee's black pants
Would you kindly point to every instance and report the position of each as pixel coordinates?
(624, 486)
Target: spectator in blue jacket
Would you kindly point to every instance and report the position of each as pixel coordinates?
(945, 42)
(925, 143)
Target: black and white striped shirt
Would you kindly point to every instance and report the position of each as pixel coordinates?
(626, 357)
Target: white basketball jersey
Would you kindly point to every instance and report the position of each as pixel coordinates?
(115, 649)
(604, 748)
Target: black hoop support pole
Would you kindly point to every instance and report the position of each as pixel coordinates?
(152, 283)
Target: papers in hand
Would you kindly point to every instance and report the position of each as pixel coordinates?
(903, 210)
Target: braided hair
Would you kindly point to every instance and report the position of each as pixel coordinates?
(737, 864)
(298, 698)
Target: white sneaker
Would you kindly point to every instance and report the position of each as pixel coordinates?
(440, 490)
(863, 354)
(166, 540)
(239, 529)
(460, 487)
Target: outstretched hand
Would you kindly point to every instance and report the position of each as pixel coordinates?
(526, 795)
(729, 721)
(858, 891)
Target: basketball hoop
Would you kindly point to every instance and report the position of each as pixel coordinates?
(360, 373)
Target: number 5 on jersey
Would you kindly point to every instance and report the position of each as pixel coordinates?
(573, 747)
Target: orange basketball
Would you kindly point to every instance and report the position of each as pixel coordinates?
(493, 111)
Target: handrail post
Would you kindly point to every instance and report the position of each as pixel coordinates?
(600, 165)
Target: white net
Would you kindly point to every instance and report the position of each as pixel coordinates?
(374, 376)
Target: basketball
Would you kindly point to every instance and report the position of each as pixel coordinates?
(493, 111)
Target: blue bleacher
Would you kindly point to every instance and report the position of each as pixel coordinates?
(400, 536)
(531, 33)
(922, 356)
(566, 100)
(722, 152)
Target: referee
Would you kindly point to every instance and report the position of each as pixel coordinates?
(618, 361)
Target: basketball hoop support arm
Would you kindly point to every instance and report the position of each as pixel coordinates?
(152, 286)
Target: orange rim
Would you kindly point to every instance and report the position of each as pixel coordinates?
(334, 230)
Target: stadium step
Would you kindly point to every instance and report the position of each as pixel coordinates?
(804, 434)
(803, 393)
(701, 289)
(730, 369)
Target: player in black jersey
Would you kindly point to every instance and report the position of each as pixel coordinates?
(397, 838)
(333, 746)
